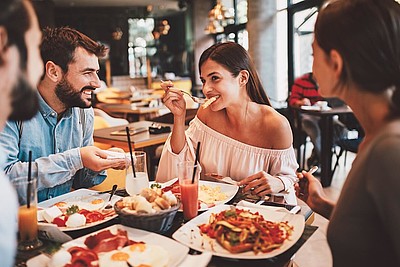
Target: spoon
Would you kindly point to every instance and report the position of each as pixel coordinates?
(108, 205)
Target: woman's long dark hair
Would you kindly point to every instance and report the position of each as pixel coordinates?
(235, 58)
(367, 35)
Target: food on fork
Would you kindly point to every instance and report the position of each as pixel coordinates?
(209, 101)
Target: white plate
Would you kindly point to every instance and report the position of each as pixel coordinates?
(176, 251)
(315, 108)
(229, 189)
(189, 234)
(74, 195)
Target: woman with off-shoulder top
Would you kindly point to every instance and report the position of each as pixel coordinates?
(241, 135)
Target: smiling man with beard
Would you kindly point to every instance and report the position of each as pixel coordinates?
(60, 135)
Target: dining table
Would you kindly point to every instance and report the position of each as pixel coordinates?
(282, 260)
(131, 111)
(326, 125)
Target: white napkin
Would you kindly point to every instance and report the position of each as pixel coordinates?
(116, 155)
(244, 203)
(51, 232)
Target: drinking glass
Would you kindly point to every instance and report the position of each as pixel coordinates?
(27, 214)
(189, 188)
(134, 185)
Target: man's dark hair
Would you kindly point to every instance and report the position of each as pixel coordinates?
(59, 44)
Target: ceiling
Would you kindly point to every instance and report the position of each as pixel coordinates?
(159, 7)
(165, 3)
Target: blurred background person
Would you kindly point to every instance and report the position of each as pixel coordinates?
(304, 92)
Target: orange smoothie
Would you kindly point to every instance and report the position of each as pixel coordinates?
(27, 223)
(189, 197)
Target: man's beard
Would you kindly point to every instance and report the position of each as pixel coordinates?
(69, 97)
(24, 100)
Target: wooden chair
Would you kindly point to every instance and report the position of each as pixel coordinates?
(103, 120)
(169, 118)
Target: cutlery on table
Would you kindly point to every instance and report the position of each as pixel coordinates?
(225, 179)
(106, 191)
(108, 204)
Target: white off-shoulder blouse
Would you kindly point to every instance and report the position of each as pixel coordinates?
(228, 157)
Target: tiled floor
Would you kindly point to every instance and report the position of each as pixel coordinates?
(315, 252)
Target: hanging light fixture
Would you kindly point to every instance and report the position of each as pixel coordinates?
(162, 29)
(216, 19)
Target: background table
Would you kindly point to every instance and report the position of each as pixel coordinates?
(326, 124)
(130, 112)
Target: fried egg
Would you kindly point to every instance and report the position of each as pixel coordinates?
(62, 205)
(146, 254)
(114, 258)
(60, 259)
(89, 204)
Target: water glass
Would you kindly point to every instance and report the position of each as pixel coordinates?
(27, 213)
(189, 188)
(134, 185)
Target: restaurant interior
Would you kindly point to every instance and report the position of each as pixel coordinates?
(151, 41)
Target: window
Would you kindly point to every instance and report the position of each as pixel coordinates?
(140, 45)
(234, 24)
(302, 15)
(304, 22)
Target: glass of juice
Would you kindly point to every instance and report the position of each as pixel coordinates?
(27, 213)
(189, 185)
(134, 185)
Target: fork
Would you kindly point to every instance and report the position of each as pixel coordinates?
(194, 98)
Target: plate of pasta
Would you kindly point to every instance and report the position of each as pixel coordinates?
(241, 232)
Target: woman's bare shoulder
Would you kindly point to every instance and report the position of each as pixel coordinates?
(277, 127)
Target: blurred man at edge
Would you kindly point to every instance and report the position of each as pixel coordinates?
(20, 69)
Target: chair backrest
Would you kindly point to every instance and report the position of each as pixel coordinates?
(111, 121)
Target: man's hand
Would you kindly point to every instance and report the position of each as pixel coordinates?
(127, 162)
(95, 159)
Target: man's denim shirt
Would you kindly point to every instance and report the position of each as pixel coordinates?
(55, 150)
